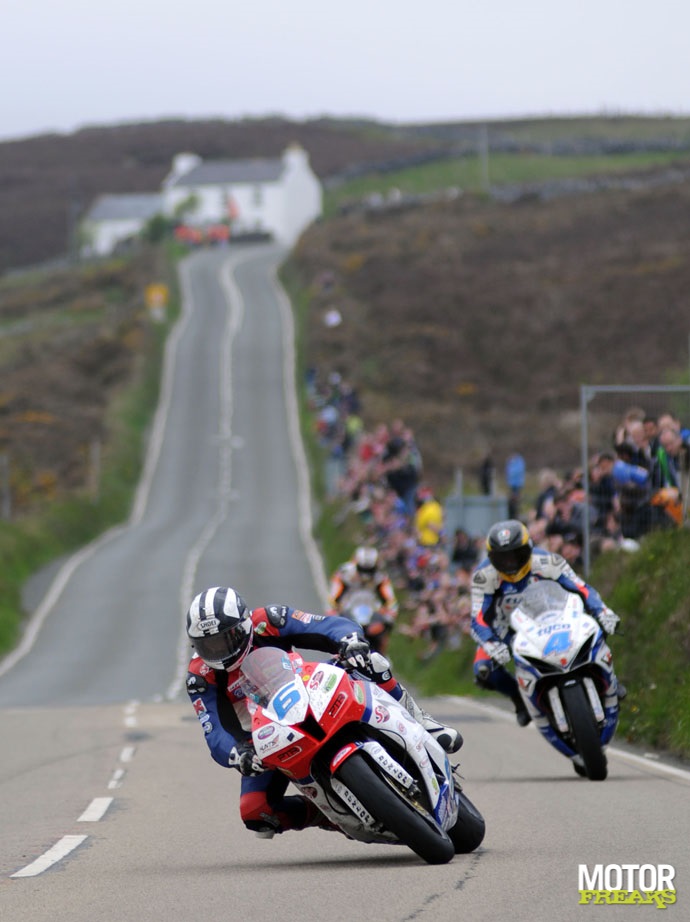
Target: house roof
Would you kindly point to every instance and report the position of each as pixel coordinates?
(125, 207)
(215, 172)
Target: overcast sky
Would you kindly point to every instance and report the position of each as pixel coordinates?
(69, 63)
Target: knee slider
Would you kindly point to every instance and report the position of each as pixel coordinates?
(482, 674)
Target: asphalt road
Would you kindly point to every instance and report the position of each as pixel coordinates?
(105, 769)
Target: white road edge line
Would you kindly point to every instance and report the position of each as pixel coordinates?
(650, 762)
(60, 850)
(96, 810)
(296, 444)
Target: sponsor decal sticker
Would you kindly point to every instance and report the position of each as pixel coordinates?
(627, 885)
(317, 679)
(265, 732)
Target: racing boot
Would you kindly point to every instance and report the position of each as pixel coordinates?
(521, 712)
(316, 819)
(448, 738)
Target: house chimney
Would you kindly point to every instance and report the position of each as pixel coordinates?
(181, 165)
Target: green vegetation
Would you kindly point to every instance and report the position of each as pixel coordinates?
(466, 173)
(54, 528)
(649, 590)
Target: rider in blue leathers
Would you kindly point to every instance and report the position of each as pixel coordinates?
(223, 630)
(511, 564)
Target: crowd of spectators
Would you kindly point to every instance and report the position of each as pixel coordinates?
(635, 486)
(381, 477)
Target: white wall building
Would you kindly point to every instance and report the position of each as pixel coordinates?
(113, 219)
(279, 197)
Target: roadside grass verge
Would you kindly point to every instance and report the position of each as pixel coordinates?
(56, 528)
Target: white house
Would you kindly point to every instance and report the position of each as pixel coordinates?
(112, 219)
(279, 196)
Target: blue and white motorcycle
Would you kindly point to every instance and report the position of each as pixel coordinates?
(564, 669)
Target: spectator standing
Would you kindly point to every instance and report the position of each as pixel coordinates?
(428, 519)
(515, 479)
(487, 474)
(401, 465)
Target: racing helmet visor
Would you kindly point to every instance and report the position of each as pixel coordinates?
(510, 561)
(225, 649)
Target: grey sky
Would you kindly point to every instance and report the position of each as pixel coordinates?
(72, 63)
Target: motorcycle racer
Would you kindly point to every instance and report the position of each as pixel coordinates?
(223, 630)
(363, 571)
(498, 581)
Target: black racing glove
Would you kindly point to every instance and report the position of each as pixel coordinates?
(244, 758)
(355, 652)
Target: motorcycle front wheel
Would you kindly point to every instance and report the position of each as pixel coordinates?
(584, 730)
(469, 829)
(390, 808)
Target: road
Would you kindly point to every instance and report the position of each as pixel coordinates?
(104, 767)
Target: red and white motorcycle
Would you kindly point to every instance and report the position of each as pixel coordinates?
(358, 755)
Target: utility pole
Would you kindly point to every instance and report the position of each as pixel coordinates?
(484, 157)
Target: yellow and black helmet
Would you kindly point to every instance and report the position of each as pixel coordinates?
(509, 548)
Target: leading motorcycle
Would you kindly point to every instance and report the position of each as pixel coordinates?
(564, 669)
(358, 756)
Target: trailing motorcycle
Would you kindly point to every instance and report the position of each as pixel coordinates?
(564, 669)
(358, 756)
(362, 607)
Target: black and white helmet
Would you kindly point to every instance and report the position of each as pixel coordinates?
(366, 559)
(220, 627)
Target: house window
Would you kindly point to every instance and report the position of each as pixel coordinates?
(258, 197)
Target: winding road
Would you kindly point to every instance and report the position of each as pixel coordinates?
(110, 806)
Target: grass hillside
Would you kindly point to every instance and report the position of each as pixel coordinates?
(477, 320)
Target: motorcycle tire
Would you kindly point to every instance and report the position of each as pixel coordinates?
(585, 733)
(390, 808)
(469, 829)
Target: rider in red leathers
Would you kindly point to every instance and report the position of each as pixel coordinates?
(223, 630)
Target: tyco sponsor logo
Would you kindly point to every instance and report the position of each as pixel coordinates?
(627, 884)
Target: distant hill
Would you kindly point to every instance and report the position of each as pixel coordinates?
(48, 181)
(476, 321)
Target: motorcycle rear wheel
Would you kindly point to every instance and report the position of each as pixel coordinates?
(584, 731)
(393, 811)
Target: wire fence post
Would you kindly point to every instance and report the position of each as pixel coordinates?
(5, 490)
